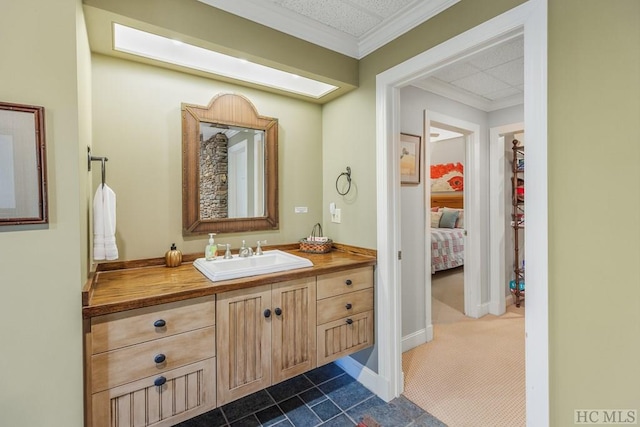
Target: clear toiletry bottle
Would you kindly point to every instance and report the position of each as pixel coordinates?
(211, 251)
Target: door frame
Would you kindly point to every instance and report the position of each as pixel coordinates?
(472, 207)
(529, 18)
(498, 215)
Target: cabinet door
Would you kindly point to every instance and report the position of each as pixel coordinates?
(293, 328)
(181, 394)
(243, 342)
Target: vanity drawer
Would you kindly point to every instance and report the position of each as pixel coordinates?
(130, 327)
(186, 392)
(345, 305)
(339, 283)
(131, 363)
(344, 336)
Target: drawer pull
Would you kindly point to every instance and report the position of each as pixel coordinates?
(348, 306)
(348, 282)
(159, 323)
(159, 381)
(278, 311)
(159, 358)
(267, 313)
(349, 321)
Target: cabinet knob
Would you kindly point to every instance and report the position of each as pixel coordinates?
(267, 313)
(349, 321)
(159, 358)
(348, 282)
(348, 306)
(278, 311)
(159, 381)
(159, 323)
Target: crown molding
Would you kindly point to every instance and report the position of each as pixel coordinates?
(411, 16)
(294, 24)
(289, 22)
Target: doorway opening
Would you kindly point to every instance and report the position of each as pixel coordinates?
(446, 153)
(528, 19)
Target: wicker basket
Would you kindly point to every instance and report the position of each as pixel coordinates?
(313, 247)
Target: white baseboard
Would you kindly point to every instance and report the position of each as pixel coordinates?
(509, 300)
(483, 309)
(366, 377)
(417, 338)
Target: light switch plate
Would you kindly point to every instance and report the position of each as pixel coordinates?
(301, 209)
(337, 216)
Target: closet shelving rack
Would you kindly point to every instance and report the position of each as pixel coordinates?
(517, 286)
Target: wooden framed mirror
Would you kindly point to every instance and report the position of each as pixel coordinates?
(229, 167)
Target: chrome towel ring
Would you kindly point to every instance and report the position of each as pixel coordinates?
(348, 175)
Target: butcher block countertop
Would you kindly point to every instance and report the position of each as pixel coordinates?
(124, 285)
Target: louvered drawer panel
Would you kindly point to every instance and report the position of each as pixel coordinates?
(184, 393)
(344, 336)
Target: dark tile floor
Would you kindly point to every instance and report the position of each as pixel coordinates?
(326, 396)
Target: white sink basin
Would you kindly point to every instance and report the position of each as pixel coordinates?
(236, 267)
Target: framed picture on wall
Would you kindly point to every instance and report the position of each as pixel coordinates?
(23, 171)
(410, 158)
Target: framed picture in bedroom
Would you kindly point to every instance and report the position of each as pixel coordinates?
(23, 170)
(410, 159)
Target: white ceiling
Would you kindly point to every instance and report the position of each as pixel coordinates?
(489, 80)
(352, 27)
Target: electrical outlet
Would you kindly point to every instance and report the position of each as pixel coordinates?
(300, 209)
(336, 216)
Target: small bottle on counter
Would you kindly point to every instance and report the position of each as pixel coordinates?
(211, 250)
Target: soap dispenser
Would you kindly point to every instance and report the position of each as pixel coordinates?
(211, 250)
(173, 257)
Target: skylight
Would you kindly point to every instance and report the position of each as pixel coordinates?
(152, 46)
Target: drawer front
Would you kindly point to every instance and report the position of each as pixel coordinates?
(127, 364)
(186, 392)
(334, 308)
(339, 338)
(130, 327)
(339, 283)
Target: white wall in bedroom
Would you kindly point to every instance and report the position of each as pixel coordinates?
(413, 102)
(447, 151)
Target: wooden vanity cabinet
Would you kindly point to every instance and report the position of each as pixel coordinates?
(152, 366)
(345, 313)
(163, 364)
(265, 335)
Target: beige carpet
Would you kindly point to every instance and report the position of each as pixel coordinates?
(448, 287)
(472, 373)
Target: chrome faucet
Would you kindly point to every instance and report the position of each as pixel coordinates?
(245, 251)
(227, 254)
(258, 247)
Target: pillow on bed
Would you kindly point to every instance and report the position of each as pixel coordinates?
(449, 218)
(460, 221)
(435, 209)
(435, 219)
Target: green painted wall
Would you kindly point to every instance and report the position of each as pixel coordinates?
(44, 62)
(594, 106)
(594, 197)
(138, 127)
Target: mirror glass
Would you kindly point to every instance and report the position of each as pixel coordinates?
(229, 167)
(231, 172)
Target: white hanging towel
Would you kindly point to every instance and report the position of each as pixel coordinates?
(104, 224)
